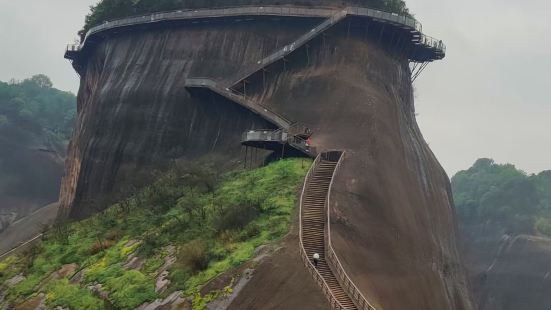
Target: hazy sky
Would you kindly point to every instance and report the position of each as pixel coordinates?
(488, 98)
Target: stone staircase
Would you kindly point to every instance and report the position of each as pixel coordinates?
(313, 230)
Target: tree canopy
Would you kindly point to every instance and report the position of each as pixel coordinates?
(504, 195)
(34, 104)
(106, 10)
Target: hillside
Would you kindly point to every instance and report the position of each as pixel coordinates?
(505, 217)
(167, 242)
(392, 221)
(36, 121)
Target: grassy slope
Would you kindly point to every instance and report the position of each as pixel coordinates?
(215, 223)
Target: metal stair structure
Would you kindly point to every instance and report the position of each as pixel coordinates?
(205, 83)
(315, 236)
(291, 47)
(289, 134)
(279, 140)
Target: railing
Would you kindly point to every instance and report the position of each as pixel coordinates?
(263, 135)
(279, 136)
(258, 108)
(333, 301)
(432, 43)
(287, 49)
(72, 48)
(353, 292)
(405, 22)
(22, 245)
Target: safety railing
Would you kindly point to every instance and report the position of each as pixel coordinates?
(300, 144)
(402, 21)
(287, 49)
(300, 130)
(347, 284)
(279, 136)
(257, 108)
(333, 301)
(72, 48)
(263, 135)
(433, 43)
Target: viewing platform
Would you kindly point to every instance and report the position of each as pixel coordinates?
(417, 46)
(278, 140)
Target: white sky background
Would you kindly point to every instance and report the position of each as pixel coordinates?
(488, 98)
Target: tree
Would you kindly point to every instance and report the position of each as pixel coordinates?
(42, 81)
(504, 196)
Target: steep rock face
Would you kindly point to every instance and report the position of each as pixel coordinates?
(393, 224)
(507, 271)
(31, 167)
(136, 115)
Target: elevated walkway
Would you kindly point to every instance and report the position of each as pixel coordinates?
(315, 236)
(211, 85)
(288, 135)
(291, 47)
(277, 140)
(422, 48)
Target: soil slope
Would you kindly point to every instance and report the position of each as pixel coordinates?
(393, 227)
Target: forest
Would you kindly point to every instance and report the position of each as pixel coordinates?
(503, 195)
(34, 104)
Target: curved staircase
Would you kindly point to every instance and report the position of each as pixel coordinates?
(314, 234)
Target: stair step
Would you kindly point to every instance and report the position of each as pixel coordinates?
(314, 219)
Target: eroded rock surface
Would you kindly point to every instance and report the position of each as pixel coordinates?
(394, 227)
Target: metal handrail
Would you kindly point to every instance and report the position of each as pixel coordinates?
(278, 119)
(351, 288)
(335, 304)
(386, 17)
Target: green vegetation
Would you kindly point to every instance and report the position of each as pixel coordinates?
(209, 223)
(505, 196)
(64, 294)
(35, 105)
(113, 9)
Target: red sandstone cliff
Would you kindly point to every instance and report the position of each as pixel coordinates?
(393, 226)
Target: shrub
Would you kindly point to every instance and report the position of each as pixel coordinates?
(194, 256)
(101, 245)
(63, 294)
(236, 217)
(543, 225)
(131, 289)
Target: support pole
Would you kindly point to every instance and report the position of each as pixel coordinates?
(391, 39)
(264, 79)
(308, 54)
(381, 34)
(245, 161)
(367, 29)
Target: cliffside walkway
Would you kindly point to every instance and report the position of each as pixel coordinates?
(288, 134)
(291, 47)
(315, 236)
(215, 87)
(421, 48)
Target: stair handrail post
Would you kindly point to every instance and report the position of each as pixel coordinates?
(333, 260)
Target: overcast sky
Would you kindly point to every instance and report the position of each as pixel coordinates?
(488, 98)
